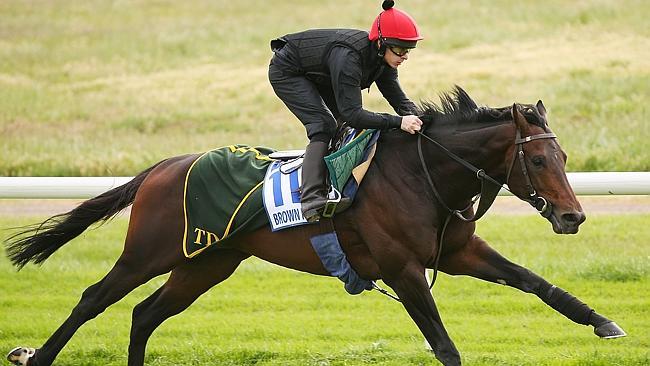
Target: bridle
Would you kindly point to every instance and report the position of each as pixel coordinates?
(489, 186)
(544, 207)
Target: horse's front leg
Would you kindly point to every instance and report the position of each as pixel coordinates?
(478, 259)
(411, 287)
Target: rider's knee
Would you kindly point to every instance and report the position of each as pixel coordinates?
(321, 137)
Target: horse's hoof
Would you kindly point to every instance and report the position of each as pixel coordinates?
(609, 330)
(20, 355)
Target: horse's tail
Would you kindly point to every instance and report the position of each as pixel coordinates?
(35, 243)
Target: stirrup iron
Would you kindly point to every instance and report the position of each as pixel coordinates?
(333, 199)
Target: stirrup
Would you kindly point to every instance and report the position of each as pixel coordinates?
(333, 199)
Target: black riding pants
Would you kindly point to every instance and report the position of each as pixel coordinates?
(314, 105)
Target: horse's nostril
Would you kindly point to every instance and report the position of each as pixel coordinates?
(573, 218)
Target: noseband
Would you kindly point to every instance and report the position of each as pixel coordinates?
(542, 206)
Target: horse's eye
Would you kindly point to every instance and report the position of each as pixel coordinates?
(538, 161)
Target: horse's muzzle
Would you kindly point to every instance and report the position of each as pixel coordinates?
(568, 222)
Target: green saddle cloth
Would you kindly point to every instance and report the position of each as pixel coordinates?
(223, 195)
(223, 190)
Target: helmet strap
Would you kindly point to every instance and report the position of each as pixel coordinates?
(382, 49)
(382, 41)
(386, 5)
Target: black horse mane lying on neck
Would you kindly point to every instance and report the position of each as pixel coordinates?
(458, 107)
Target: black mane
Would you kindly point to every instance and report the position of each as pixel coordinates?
(458, 106)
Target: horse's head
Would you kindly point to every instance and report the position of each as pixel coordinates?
(536, 170)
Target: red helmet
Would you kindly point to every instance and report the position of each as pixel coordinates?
(395, 27)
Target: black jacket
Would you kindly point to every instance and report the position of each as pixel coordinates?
(345, 61)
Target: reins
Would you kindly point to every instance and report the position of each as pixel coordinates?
(488, 191)
(490, 188)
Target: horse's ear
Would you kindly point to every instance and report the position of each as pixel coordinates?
(519, 118)
(540, 108)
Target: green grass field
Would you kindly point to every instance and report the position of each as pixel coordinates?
(110, 87)
(267, 315)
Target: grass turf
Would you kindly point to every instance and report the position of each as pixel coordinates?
(266, 315)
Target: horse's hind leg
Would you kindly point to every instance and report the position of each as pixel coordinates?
(478, 259)
(185, 284)
(120, 280)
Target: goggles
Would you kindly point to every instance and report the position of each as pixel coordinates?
(399, 51)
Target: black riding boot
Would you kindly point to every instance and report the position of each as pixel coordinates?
(314, 172)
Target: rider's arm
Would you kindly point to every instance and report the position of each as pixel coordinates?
(389, 87)
(345, 71)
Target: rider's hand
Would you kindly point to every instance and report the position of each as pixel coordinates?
(411, 124)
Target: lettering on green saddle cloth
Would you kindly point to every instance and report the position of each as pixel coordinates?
(223, 195)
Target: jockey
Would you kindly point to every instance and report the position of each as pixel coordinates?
(319, 75)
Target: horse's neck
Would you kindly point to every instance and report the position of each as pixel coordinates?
(400, 166)
(484, 148)
(397, 170)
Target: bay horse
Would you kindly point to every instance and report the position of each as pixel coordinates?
(391, 232)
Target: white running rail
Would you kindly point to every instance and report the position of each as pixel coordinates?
(584, 184)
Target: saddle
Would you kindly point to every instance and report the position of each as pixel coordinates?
(350, 154)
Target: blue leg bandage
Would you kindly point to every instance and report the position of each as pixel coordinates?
(331, 255)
